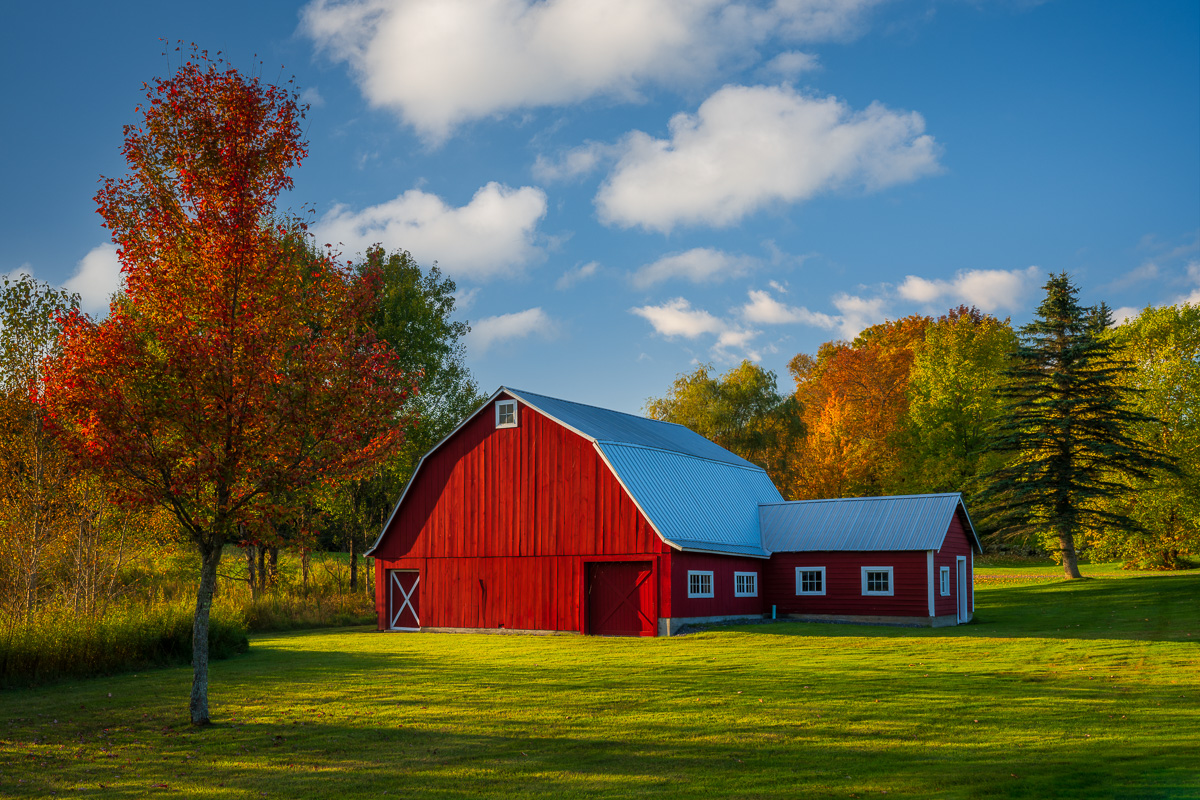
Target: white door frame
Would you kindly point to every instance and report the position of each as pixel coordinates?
(395, 586)
(961, 599)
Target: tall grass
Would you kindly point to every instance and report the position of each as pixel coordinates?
(53, 644)
(150, 624)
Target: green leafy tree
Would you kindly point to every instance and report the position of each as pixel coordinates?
(741, 410)
(36, 474)
(953, 400)
(414, 313)
(1066, 423)
(1163, 345)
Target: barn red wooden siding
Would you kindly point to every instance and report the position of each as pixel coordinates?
(956, 544)
(843, 583)
(499, 522)
(723, 601)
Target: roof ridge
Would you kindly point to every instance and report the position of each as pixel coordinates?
(872, 497)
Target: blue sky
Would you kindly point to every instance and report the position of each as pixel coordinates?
(625, 188)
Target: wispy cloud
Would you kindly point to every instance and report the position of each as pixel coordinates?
(991, 290)
(492, 332)
(698, 265)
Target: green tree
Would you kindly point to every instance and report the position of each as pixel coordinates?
(741, 410)
(1066, 423)
(1163, 345)
(34, 472)
(414, 313)
(953, 399)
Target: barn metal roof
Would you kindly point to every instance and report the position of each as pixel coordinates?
(696, 494)
(604, 425)
(695, 503)
(908, 522)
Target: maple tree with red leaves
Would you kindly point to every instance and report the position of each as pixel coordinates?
(239, 364)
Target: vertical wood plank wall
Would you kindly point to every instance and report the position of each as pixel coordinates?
(498, 520)
(957, 543)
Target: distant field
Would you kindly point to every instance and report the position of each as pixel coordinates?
(1082, 690)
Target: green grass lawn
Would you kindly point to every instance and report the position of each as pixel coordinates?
(1086, 690)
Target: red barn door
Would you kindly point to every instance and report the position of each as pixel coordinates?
(620, 599)
(404, 599)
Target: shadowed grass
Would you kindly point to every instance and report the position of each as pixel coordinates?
(1086, 690)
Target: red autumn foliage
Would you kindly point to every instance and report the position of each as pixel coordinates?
(239, 364)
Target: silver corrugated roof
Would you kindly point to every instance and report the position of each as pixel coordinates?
(909, 522)
(603, 425)
(695, 503)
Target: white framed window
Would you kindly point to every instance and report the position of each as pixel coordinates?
(700, 584)
(506, 413)
(945, 575)
(745, 584)
(878, 581)
(810, 580)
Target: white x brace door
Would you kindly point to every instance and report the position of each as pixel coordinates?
(404, 599)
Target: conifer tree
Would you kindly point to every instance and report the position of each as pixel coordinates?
(1066, 425)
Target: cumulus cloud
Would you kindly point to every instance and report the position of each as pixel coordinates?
(492, 235)
(572, 163)
(858, 313)
(750, 146)
(574, 276)
(698, 265)
(677, 318)
(492, 331)
(439, 63)
(766, 310)
(989, 289)
(96, 278)
(792, 63)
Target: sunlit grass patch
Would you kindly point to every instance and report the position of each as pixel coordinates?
(1087, 690)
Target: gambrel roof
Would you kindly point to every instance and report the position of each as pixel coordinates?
(696, 495)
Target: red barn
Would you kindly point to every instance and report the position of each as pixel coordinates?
(538, 514)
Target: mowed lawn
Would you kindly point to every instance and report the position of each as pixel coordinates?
(1084, 690)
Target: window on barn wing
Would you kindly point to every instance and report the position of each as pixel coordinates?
(945, 581)
(745, 584)
(700, 584)
(878, 581)
(506, 413)
(810, 580)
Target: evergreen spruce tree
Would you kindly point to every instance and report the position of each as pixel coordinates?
(1065, 425)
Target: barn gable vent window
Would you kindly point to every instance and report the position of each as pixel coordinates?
(745, 584)
(877, 581)
(506, 413)
(700, 584)
(810, 580)
(945, 573)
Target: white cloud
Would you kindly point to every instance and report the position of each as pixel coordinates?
(439, 63)
(858, 313)
(765, 309)
(750, 146)
(1124, 314)
(492, 235)
(698, 265)
(574, 276)
(464, 299)
(792, 63)
(989, 289)
(491, 331)
(312, 96)
(97, 276)
(573, 163)
(676, 318)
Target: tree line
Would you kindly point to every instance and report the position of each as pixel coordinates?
(1068, 435)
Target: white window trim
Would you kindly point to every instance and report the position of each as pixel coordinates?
(692, 572)
(944, 578)
(512, 424)
(753, 576)
(800, 581)
(891, 581)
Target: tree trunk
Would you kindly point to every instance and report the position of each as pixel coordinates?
(304, 562)
(262, 566)
(1066, 545)
(250, 571)
(273, 566)
(353, 563)
(210, 556)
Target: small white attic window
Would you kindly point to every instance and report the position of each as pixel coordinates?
(506, 413)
